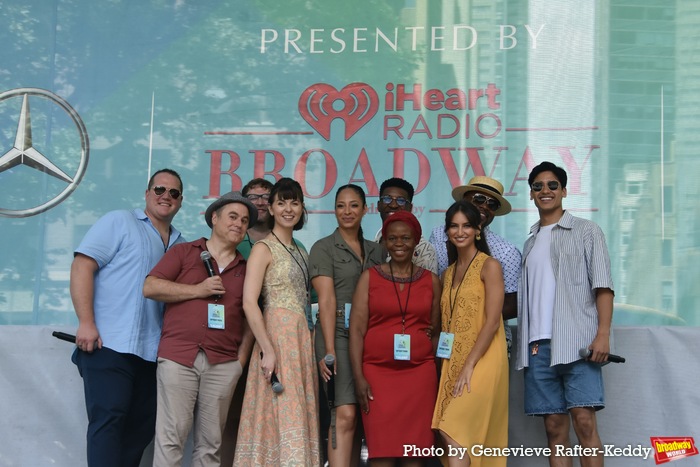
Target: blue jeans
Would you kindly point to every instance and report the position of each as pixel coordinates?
(559, 388)
(120, 398)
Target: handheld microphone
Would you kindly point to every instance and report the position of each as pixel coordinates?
(64, 336)
(329, 360)
(585, 353)
(206, 259)
(277, 387)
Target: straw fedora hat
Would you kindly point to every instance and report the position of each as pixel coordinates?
(487, 186)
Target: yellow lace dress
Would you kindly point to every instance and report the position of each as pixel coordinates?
(480, 416)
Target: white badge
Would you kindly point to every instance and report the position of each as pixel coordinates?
(314, 312)
(215, 312)
(444, 349)
(402, 347)
(347, 315)
(307, 312)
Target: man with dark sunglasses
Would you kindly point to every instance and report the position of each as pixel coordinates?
(486, 194)
(565, 305)
(119, 330)
(396, 194)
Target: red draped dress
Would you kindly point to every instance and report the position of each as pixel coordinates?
(404, 391)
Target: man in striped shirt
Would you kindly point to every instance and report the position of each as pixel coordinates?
(565, 304)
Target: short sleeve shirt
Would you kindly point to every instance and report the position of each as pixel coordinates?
(125, 245)
(581, 264)
(185, 326)
(332, 257)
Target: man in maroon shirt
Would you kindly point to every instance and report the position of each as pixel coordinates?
(205, 339)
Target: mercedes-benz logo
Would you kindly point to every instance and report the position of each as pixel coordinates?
(27, 152)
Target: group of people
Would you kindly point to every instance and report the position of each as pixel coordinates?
(217, 336)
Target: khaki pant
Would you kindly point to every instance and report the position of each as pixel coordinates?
(196, 398)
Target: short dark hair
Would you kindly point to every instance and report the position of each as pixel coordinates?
(164, 171)
(256, 182)
(287, 188)
(397, 183)
(547, 166)
(473, 215)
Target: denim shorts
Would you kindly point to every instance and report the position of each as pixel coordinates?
(556, 389)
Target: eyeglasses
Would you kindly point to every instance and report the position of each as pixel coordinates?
(160, 190)
(552, 185)
(400, 200)
(491, 203)
(265, 197)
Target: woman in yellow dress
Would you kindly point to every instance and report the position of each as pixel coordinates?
(472, 403)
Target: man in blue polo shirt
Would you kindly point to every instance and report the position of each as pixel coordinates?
(119, 330)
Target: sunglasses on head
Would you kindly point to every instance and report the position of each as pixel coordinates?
(552, 185)
(400, 200)
(491, 203)
(252, 197)
(160, 190)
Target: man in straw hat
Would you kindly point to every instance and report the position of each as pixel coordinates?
(205, 340)
(486, 194)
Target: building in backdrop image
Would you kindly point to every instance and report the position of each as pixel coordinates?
(96, 96)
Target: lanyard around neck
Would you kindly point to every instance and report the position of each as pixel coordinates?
(304, 269)
(403, 309)
(453, 300)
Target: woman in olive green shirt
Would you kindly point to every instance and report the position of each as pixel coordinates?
(336, 263)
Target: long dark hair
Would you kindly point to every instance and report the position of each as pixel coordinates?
(287, 188)
(474, 217)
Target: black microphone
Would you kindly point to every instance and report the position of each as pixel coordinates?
(206, 258)
(585, 353)
(277, 387)
(329, 360)
(64, 336)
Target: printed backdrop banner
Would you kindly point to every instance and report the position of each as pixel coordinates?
(95, 96)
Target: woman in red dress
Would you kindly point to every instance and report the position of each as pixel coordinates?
(393, 324)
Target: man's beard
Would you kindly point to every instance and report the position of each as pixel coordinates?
(261, 224)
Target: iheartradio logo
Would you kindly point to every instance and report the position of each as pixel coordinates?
(355, 104)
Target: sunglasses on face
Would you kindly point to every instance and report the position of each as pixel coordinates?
(552, 185)
(400, 200)
(491, 203)
(160, 190)
(265, 197)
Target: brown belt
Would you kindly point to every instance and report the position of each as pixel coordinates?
(338, 313)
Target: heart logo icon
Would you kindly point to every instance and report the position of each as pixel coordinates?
(355, 104)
